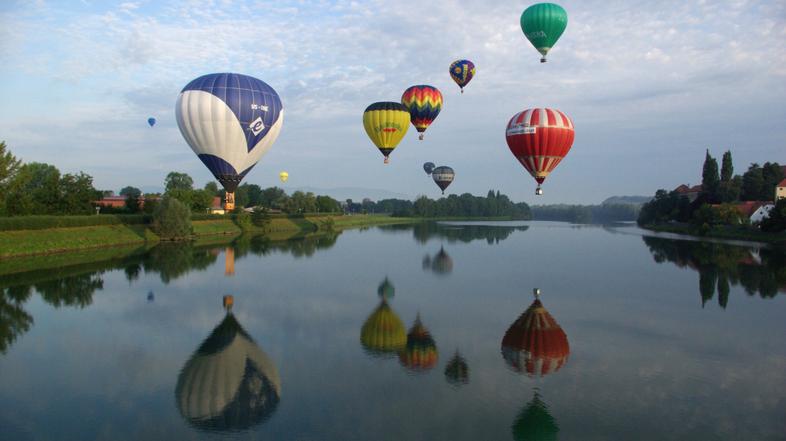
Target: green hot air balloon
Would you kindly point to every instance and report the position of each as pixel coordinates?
(543, 24)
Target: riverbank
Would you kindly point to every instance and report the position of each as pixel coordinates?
(742, 233)
(20, 243)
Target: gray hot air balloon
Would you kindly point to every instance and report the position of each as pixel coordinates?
(229, 383)
(443, 176)
(428, 167)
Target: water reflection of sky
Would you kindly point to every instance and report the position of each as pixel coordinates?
(646, 360)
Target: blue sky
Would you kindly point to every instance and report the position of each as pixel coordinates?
(649, 85)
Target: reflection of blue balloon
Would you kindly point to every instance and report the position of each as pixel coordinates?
(151, 121)
(230, 121)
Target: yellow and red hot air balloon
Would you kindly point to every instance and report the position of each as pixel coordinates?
(420, 354)
(540, 139)
(424, 104)
(535, 343)
(386, 123)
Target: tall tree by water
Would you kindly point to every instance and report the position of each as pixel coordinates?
(772, 174)
(752, 183)
(710, 180)
(178, 181)
(727, 167)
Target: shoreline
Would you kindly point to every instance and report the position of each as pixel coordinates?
(733, 234)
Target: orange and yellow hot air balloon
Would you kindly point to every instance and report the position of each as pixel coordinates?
(424, 103)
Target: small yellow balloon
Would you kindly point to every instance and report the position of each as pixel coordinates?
(283, 176)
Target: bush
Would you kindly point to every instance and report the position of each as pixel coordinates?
(242, 219)
(260, 217)
(52, 221)
(172, 220)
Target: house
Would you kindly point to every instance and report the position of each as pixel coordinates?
(780, 190)
(690, 192)
(216, 207)
(761, 213)
(120, 201)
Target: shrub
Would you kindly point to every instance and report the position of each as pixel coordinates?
(52, 221)
(260, 217)
(243, 220)
(172, 220)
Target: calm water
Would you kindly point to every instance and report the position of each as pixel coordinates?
(634, 337)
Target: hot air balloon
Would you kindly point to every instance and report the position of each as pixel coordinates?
(151, 121)
(420, 354)
(424, 103)
(443, 176)
(383, 334)
(540, 139)
(229, 383)
(428, 167)
(543, 24)
(535, 423)
(442, 263)
(283, 176)
(457, 371)
(535, 344)
(386, 123)
(462, 72)
(229, 120)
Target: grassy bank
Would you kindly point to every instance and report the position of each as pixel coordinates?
(726, 232)
(18, 243)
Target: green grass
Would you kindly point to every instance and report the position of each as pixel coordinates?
(211, 227)
(54, 240)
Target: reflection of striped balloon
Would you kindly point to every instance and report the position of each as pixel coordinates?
(421, 351)
(424, 103)
(535, 343)
(540, 139)
(462, 72)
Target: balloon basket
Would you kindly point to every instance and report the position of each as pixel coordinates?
(228, 301)
(386, 161)
(462, 90)
(543, 60)
(536, 292)
(538, 191)
(420, 137)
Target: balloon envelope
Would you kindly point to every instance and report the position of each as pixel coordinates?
(386, 123)
(383, 334)
(457, 370)
(443, 176)
(420, 354)
(540, 139)
(543, 24)
(428, 167)
(462, 72)
(283, 176)
(535, 343)
(151, 121)
(229, 120)
(535, 423)
(424, 104)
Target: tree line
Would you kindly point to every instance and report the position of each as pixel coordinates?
(494, 204)
(720, 192)
(586, 214)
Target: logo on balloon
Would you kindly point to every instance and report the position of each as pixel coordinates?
(521, 130)
(537, 34)
(257, 126)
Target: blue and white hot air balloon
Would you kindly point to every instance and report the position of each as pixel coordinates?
(229, 120)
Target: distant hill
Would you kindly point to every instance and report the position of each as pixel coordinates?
(626, 200)
(355, 193)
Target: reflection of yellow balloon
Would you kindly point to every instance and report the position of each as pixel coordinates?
(283, 176)
(383, 334)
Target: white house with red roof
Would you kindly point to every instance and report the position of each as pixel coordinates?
(780, 190)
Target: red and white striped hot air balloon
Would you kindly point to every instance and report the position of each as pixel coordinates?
(539, 139)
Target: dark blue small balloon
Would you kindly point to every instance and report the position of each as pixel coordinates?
(151, 121)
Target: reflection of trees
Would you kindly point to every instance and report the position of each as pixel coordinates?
(14, 321)
(70, 291)
(303, 246)
(721, 266)
(172, 261)
(457, 233)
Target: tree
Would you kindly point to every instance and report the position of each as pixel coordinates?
(9, 165)
(178, 181)
(326, 204)
(132, 195)
(776, 222)
(752, 183)
(77, 194)
(201, 201)
(212, 187)
(710, 180)
(172, 220)
(727, 168)
(260, 217)
(772, 174)
(35, 189)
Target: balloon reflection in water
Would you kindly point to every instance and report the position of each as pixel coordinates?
(535, 343)
(420, 354)
(229, 383)
(383, 334)
(534, 422)
(441, 263)
(457, 370)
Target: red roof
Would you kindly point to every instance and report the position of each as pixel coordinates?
(696, 189)
(747, 208)
(782, 183)
(682, 189)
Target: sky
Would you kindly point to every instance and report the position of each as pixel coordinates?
(649, 85)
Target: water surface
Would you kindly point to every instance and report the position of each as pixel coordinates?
(408, 332)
